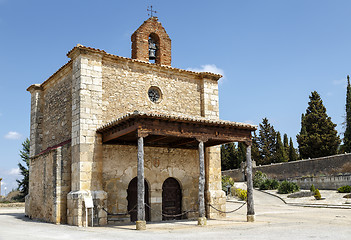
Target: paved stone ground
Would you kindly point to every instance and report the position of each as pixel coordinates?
(274, 220)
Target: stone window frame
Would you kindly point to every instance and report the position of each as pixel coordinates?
(158, 89)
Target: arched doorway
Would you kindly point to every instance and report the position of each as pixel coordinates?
(133, 199)
(171, 199)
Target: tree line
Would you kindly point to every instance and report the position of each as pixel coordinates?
(318, 137)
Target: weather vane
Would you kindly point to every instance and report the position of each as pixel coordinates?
(151, 11)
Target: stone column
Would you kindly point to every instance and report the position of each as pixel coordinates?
(202, 218)
(36, 117)
(210, 109)
(141, 223)
(86, 144)
(0, 187)
(36, 135)
(250, 201)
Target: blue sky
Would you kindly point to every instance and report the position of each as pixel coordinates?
(272, 54)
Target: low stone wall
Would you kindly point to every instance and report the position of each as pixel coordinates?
(325, 166)
(325, 173)
(323, 182)
(236, 174)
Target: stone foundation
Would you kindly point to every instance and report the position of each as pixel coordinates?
(76, 214)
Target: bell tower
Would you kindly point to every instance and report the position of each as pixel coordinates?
(151, 43)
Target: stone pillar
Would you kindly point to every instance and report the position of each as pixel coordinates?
(156, 204)
(141, 223)
(36, 134)
(202, 217)
(86, 144)
(0, 187)
(210, 109)
(57, 213)
(250, 201)
(209, 99)
(36, 117)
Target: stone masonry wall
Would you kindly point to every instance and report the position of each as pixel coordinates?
(126, 85)
(331, 165)
(325, 172)
(120, 167)
(57, 110)
(49, 184)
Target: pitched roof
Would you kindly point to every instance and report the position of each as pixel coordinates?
(175, 118)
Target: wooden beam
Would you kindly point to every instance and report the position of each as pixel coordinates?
(156, 139)
(110, 136)
(182, 142)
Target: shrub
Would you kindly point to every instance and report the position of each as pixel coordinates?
(312, 189)
(317, 195)
(258, 179)
(227, 181)
(301, 194)
(269, 184)
(241, 193)
(344, 189)
(288, 187)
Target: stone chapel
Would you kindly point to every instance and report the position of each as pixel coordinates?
(138, 136)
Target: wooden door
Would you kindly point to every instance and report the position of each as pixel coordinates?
(132, 198)
(171, 199)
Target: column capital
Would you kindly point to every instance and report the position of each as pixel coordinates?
(142, 133)
(248, 142)
(202, 139)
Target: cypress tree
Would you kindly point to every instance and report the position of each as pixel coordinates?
(231, 156)
(227, 156)
(280, 154)
(255, 152)
(347, 134)
(292, 152)
(286, 145)
(318, 136)
(241, 156)
(267, 142)
(23, 184)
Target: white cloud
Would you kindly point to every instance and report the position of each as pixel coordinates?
(14, 171)
(209, 68)
(249, 122)
(13, 135)
(340, 82)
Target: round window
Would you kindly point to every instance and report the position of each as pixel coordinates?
(154, 94)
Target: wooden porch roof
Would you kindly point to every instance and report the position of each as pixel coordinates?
(161, 130)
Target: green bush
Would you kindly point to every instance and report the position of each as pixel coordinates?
(288, 187)
(344, 189)
(269, 184)
(240, 193)
(312, 189)
(258, 179)
(227, 181)
(317, 195)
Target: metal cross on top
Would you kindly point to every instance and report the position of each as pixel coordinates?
(151, 11)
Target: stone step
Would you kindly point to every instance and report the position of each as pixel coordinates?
(118, 218)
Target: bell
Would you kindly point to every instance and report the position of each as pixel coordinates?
(152, 49)
(152, 54)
